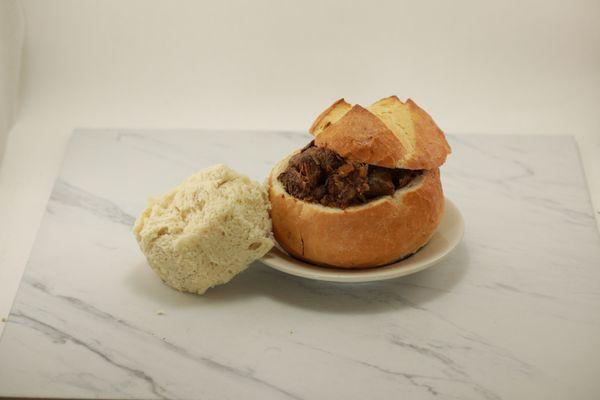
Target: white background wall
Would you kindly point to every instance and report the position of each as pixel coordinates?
(509, 67)
(11, 43)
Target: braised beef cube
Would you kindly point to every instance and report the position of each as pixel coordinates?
(310, 172)
(347, 185)
(405, 176)
(293, 183)
(381, 183)
(330, 161)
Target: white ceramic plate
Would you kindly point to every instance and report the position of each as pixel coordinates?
(447, 237)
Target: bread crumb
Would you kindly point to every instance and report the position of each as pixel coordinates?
(160, 312)
(3, 319)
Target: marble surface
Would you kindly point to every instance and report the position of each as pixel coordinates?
(513, 312)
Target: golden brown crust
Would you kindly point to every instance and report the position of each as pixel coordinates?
(359, 135)
(389, 133)
(370, 235)
(331, 115)
(432, 147)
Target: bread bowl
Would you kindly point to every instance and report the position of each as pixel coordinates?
(324, 212)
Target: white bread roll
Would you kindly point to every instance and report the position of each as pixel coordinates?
(205, 231)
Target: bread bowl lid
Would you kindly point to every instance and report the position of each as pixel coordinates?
(389, 133)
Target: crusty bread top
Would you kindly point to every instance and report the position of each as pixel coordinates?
(388, 133)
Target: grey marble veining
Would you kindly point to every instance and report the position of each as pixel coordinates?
(513, 312)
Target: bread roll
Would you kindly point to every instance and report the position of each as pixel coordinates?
(205, 231)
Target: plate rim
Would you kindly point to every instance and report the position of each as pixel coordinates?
(393, 270)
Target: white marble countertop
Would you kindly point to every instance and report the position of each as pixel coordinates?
(514, 312)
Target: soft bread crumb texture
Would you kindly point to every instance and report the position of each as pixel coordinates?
(206, 230)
